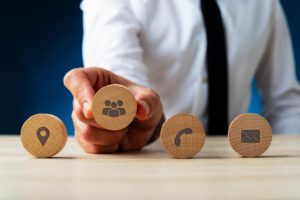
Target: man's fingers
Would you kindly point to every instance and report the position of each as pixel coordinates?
(95, 135)
(95, 149)
(83, 83)
(135, 139)
(79, 113)
(143, 110)
(81, 88)
(148, 103)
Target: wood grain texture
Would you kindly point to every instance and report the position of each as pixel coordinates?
(251, 124)
(114, 107)
(39, 144)
(174, 131)
(217, 172)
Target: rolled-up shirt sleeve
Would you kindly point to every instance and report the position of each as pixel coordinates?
(277, 80)
(111, 39)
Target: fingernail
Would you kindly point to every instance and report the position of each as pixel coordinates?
(146, 107)
(86, 110)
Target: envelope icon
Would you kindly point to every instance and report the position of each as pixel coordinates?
(250, 136)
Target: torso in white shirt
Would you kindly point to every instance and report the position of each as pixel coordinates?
(162, 44)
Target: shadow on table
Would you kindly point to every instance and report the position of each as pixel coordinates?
(61, 157)
(241, 157)
(161, 154)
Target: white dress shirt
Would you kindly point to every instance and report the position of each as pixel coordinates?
(162, 44)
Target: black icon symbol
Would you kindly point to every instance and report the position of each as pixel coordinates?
(185, 131)
(250, 136)
(43, 134)
(113, 109)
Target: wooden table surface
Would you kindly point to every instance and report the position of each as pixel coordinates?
(217, 172)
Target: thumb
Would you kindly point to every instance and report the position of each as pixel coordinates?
(79, 85)
(143, 110)
(147, 101)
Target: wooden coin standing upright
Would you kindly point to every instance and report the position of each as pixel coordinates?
(43, 135)
(250, 135)
(182, 136)
(114, 107)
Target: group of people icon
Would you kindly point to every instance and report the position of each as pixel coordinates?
(113, 109)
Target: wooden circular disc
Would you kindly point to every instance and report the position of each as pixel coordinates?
(250, 135)
(182, 136)
(43, 135)
(114, 107)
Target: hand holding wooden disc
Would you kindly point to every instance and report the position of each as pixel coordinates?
(43, 135)
(114, 107)
(182, 136)
(250, 135)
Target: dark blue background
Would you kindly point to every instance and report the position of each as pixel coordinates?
(40, 41)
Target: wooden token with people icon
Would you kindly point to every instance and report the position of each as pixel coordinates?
(114, 107)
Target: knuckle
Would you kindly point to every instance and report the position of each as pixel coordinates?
(155, 99)
(92, 149)
(78, 113)
(153, 95)
(68, 77)
(82, 132)
(81, 91)
(86, 146)
(77, 116)
(74, 119)
(87, 135)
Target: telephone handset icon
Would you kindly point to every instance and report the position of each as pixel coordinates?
(185, 131)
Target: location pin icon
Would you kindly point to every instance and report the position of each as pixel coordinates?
(43, 138)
